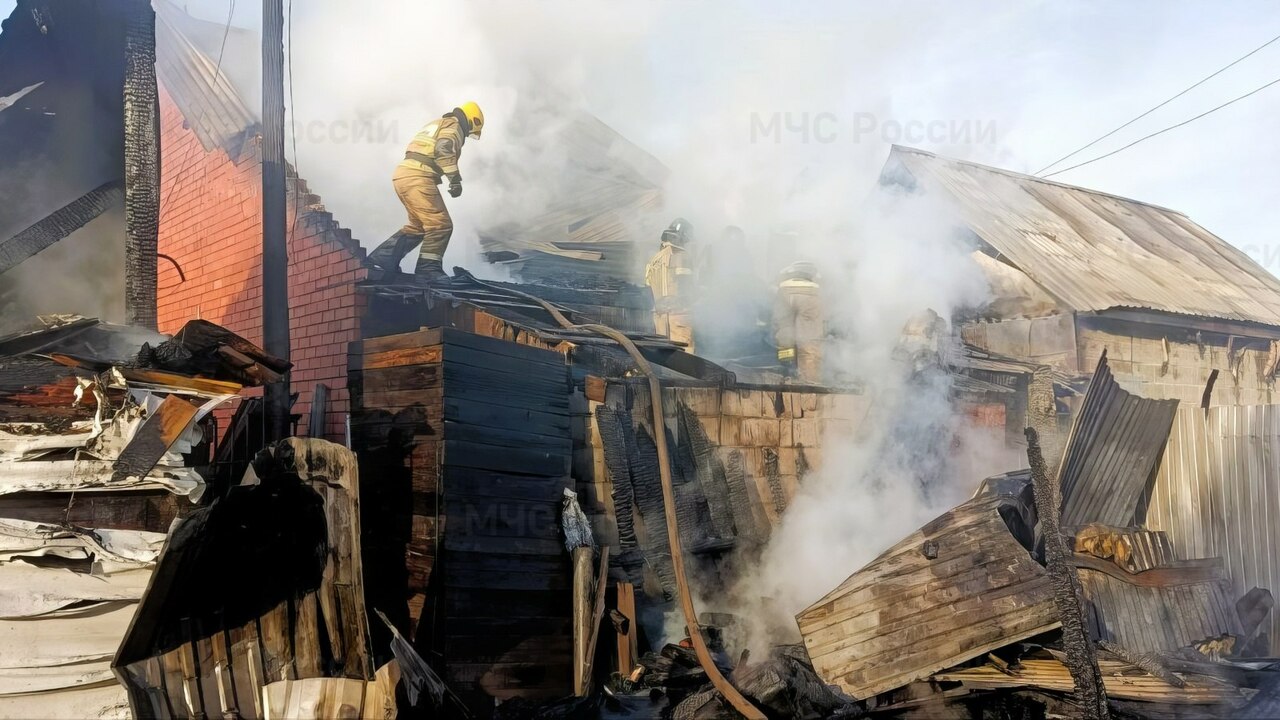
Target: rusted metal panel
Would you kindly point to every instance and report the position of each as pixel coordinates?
(1216, 494)
(1161, 618)
(1113, 451)
(1094, 251)
(911, 613)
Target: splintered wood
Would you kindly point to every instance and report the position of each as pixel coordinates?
(911, 612)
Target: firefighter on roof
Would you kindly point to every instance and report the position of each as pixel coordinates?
(431, 156)
(799, 324)
(669, 275)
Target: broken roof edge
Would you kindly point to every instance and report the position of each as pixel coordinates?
(894, 149)
(1089, 250)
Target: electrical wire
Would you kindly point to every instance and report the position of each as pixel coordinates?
(1157, 107)
(1161, 132)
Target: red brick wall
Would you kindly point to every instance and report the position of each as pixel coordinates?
(211, 225)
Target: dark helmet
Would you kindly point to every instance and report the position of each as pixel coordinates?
(679, 232)
(734, 235)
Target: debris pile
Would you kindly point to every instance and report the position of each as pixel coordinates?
(969, 611)
(104, 443)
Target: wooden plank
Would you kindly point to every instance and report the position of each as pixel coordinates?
(244, 646)
(403, 341)
(506, 388)
(582, 616)
(461, 360)
(205, 386)
(398, 358)
(475, 484)
(543, 421)
(188, 679)
(319, 406)
(628, 642)
(597, 615)
(594, 387)
(395, 400)
(519, 519)
(149, 510)
(277, 655)
(157, 434)
(402, 377)
(502, 438)
(306, 638)
(509, 460)
(502, 347)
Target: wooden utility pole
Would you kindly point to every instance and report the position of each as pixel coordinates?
(141, 165)
(275, 258)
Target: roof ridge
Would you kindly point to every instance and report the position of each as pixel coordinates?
(1024, 176)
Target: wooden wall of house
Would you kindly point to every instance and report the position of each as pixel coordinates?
(1155, 355)
(470, 435)
(1168, 362)
(1048, 340)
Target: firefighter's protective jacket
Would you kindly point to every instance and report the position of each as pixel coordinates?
(669, 275)
(799, 327)
(435, 149)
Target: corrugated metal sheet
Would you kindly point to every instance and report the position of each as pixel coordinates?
(1113, 451)
(1150, 619)
(187, 68)
(1095, 251)
(1218, 494)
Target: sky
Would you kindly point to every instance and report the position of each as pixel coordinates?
(778, 114)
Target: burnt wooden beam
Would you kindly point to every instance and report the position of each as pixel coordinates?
(1082, 659)
(275, 253)
(64, 221)
(141, 165)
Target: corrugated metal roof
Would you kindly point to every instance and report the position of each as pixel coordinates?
(1095, 251)
(187, 68)
(1113, 452)
(1217, 494)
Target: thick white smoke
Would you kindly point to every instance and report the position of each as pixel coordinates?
(777, 117)
(741, 110)
(914, 456)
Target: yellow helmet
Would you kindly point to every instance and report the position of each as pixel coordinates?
(474, 116)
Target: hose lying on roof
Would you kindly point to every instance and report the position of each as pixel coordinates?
(721, 683)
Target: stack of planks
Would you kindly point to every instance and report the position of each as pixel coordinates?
(483, 426)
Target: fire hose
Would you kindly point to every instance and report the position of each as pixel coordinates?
(718, 680)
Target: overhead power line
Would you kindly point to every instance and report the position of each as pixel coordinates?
(1157, 107)
(1171, 127)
